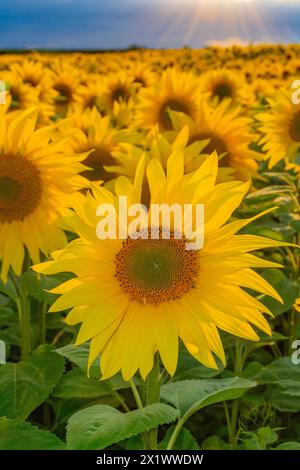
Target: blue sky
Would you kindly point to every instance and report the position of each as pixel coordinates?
(102, 24)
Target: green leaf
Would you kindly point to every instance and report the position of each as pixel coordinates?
(18, 435)
(78, 355)
(100, 426)
(190, 396)
(288, 446)
(190, 368)
(185, 440)
(282, 379)
(38, 286)
(50, 365)
(24, 386)
(76, 384)
(215, 443)
(259, 440)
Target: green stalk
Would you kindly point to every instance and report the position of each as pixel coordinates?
(25, 326)
(151, 395)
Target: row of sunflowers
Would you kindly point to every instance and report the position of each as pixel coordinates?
(150, 345)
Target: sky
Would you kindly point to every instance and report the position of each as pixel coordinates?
(117, 24)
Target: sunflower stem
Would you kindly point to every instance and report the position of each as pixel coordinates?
(23, 306)
(25, 326)
(151, 394)
(140, 406)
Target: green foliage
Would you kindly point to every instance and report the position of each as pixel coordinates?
(26, 385)
(18, 435)
(99, 426)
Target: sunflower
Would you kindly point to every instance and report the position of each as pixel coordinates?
(91, 133)
(156, 145)
(221, 84)
(117, 87)
(34, 74)
(37, 181)
(65, 83)
(281, 129)
(227, 133)
(142, 74)
(176, 91)
(88, 96)
(136, 296)
(22, 95)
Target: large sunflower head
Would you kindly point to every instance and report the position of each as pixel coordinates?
(281, 129)
(176, 91)
(37, 182)
(136, 296)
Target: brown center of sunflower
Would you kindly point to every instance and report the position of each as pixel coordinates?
(294, 127)
(171, 105)
(15, 98)
(140, 81)
(222, 90)
(20, 188)
(120, 93)
(216, 144)
(30, 81)
(65, 92)
(155, 271)
(96, 161)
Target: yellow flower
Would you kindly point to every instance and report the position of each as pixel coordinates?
(156, 145)
(281, 129)
(37, 182)
(118, 87)
(221, 84)
(228, 133)
(89, 132)
(177, 92)
(138, 296)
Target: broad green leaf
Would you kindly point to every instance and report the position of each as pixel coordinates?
(190, 396)
(76, 384)
(18, 435)
(50, 365)
(22, 389)
(78, 355)
(282, 379)
(100, 426)
(288, 446)
(25, 385)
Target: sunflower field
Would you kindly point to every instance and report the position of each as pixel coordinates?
(137, 343)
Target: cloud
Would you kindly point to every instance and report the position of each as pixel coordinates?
(227, 42)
